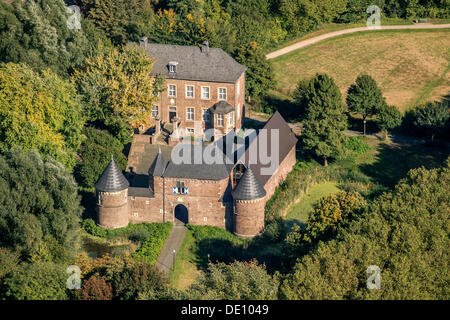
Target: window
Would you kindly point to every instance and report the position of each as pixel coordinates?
(189, 91)
(220, 120)
(180, 188)
(231, 119)
(172, 90)
(205, 92)
(190, 114)
(155, 112)
(190, 130)
(205, 115)
(173, 109)
(222, 93)
(172, 68)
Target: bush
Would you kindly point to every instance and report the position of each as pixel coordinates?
(275, 230)
(37, 281)
(356, 145)
(94, 288)
(91, 227)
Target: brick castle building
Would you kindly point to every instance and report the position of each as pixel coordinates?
(229, 194)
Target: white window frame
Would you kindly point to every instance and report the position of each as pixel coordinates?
(207, 113)
(209, 93)
(187, 113)
(155, 109)
(190, 130)
(220, 120)
(172, 68)
(231, 118)
(168, 90)
(219, 94)
(193, 91)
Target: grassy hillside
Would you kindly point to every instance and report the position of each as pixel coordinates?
(411, 66)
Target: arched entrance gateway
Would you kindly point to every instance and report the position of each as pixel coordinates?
(181, 215)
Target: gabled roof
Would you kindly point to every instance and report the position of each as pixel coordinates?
(112, 179)
(248, 188)
(158, 165)
(213, 65)
(202, 171)
(287, 140)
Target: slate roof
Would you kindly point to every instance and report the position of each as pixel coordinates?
(221, 107)
(213, 65)
(248, 188)
(201, 171)
(112, 179)
(287, 140)
(158, 165)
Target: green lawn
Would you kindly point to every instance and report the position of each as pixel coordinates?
(299, 212)
(185, 268)
(410, 66)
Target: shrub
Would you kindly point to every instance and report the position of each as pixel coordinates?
(94, 288)
(274, 231)
(356, 145)
(91, 227)
(37, 281)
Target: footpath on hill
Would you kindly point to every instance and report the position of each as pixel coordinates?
(305, 43)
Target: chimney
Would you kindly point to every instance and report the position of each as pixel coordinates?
(205, 47)
(143, 42)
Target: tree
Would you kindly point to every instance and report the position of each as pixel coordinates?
(36, 33)
(235, 281)
(404, 233)
(39, 111)
(94, 288)
(388, 118)
(324, 118)
(39, 207)
(259, 76)
(95, 153)
(36, 281)
(364, 97)
(433, 118)
(117, 90)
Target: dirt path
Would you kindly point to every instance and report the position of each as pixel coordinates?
(304, 43)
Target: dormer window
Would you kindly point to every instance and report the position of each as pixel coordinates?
(173, 66)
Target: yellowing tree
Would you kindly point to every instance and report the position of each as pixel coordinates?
(39, 111)
(118, 90)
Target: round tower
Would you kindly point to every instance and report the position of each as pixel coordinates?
(112, 194)
(249, 206)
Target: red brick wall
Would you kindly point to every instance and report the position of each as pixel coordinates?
(249, 218)
(112, 209)
(141, 209)
(202, 202)
(283, 170)
(182, 102)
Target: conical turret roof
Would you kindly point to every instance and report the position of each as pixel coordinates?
(248, 188)
(157, 167)
(112, 179)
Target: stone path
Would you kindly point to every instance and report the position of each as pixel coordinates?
(165, 260)
(304, 43)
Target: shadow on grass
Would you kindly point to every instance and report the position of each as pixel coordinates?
(394, 161)
(221, 250)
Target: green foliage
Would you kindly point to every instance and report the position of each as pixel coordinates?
(39, 207)
(117, 91)
(405, 233)
(259, 76)
(388, 118)
(235, 281)
(39, 111)
(433, 118)
(364, 97)
(324, 118)
(356, 145)
(9, 261)
(36, 33)
(275, 230)
(91, 227)
(37, 281)
(95, 153)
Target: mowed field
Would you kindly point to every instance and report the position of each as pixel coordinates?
(410, 66)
